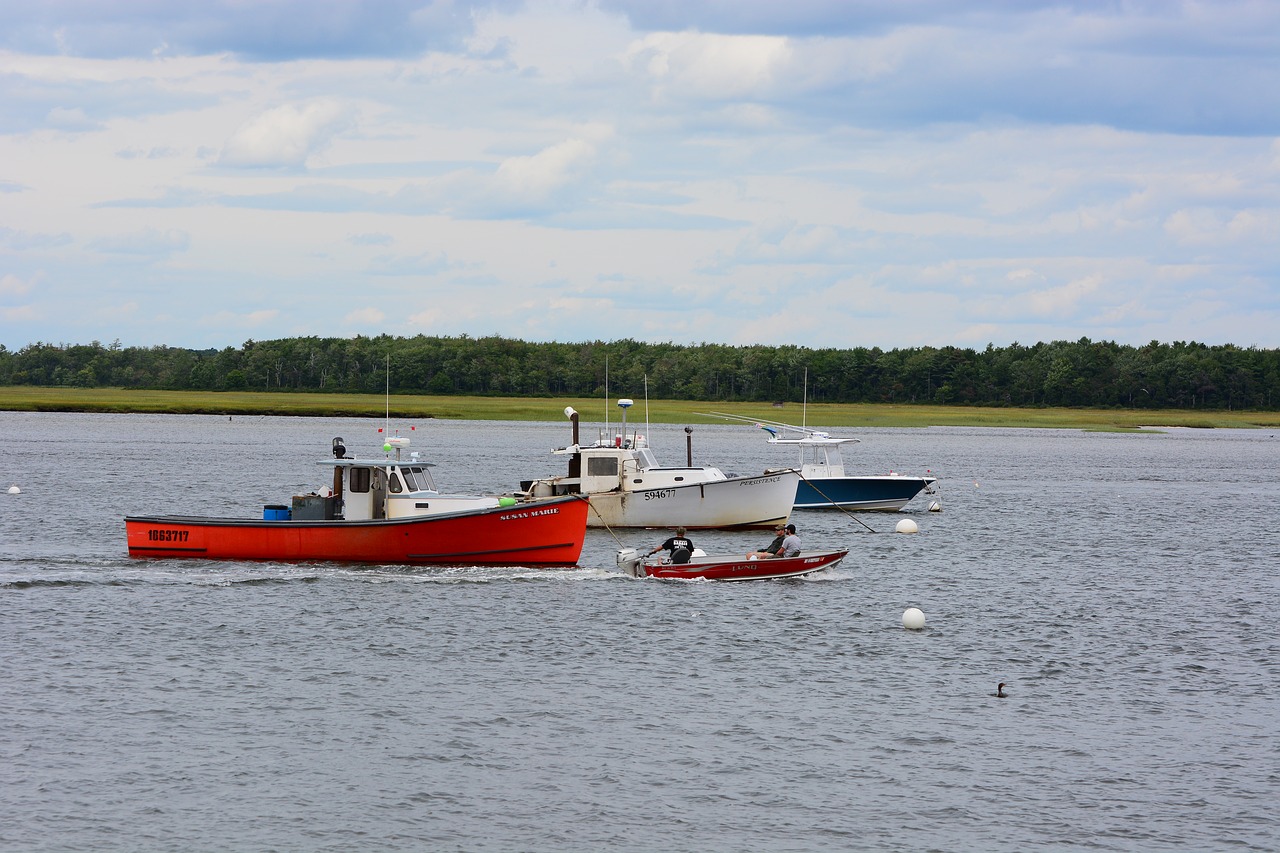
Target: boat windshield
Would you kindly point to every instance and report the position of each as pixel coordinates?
(645, 459)
(422, 478)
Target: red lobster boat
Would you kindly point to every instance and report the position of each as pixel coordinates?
(379, 511)
(723, 567)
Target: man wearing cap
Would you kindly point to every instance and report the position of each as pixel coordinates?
(680, 546)
(790, 544)
(772, 548)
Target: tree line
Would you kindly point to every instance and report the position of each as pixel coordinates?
(1085, 373)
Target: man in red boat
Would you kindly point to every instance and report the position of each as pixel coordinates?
(790, 544)
(680, 546)
(771, 549)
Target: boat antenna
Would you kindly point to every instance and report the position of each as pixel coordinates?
(624, 404)
(606, 395)
(647, 431)
(386, 422)
(804, 407)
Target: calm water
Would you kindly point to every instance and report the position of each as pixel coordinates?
(1125, 586)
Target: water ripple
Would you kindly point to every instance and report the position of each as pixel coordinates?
(1111, 581)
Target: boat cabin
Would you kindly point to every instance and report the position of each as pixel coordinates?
(819, 454)
(371, 489)
(621, 466)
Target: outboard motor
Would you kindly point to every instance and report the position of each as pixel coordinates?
(629, 561)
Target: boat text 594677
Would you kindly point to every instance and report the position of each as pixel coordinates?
(626, 486)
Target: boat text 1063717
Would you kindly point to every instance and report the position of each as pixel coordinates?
(379, 510)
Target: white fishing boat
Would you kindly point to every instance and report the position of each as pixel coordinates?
(823, 481)
(627, 487)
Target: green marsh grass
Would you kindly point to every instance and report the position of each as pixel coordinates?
(850, 415)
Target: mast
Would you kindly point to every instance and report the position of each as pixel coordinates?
(624, 404)
(804, 408)
(647, 431)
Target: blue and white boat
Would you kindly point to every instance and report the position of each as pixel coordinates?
(823, 481)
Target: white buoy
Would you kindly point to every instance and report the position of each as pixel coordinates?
(907, 526)
(14, 490)
(913, 619)
(935, 507)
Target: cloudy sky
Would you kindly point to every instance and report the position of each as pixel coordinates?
(814, 172)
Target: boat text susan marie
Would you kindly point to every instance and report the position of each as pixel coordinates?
(380, 510)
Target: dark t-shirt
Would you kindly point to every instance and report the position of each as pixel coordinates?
(772, 547)
(677, 542)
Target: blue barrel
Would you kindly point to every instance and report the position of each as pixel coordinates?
(275, 512)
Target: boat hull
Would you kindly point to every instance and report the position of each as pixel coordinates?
(722, 568)
(545, 532)
(888, 493)
(762, 501)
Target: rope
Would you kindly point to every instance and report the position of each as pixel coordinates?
(603, 523)
(834, 504)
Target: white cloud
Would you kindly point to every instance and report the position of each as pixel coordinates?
(150, 241)
(234, 320)
(1202, 227)
(364, 317)
(122, 312)
(374, 239)
(556, 39)
(151, 154)
(19, 314)
(707, 65)
(1024, 276)
(978, 334)
(425, 264)
(285, 136)
(537, 176)
(450, 317)
(11, 285)
(70, 118)
(925, 173)
(1064, 300)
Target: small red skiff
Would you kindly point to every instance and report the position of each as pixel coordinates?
(723, 567)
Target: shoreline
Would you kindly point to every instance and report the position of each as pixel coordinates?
(841, 415)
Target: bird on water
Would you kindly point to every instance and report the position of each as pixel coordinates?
(1000, 694)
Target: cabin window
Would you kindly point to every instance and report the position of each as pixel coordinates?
(423, 476)
(393, 483)
(602, 466)
(409, 482)
(359, 479)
